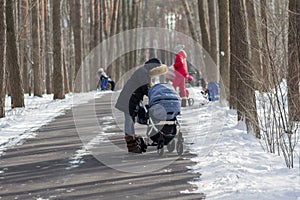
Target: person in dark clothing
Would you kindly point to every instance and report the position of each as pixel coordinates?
(132, 94)
(104, 80)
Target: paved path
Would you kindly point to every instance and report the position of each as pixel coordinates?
(41, 168)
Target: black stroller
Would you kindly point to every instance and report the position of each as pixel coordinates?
(160, 115)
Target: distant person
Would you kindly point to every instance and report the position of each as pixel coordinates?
(181, 73)
(130, 97)
(104, 81)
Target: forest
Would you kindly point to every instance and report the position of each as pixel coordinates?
(255, 45)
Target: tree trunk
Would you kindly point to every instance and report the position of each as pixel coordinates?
(254, 41)
(204, 26)
(112, 50)
(42, 43)
(224, 35)
(2, 56)
(265, 72)
(233, 59)
(125, 28)
(37, 84)
(213, 31)
(190, 20)
(17, 93)
(58, 86)
(47, 49)
(114, 17)
(76, 17)
(65, 75)
(105, 18)
(293, 67)
(245, 96)
(25, 38)
(298, 31)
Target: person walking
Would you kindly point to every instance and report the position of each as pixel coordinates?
(181, 73)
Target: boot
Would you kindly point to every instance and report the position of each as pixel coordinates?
(132, 144)
(184, 101)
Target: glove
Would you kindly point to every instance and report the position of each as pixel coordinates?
(190, 78)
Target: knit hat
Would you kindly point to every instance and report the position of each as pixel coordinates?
(179, 47)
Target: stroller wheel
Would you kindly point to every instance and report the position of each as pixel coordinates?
(171, 146)
(179, 137)
(179, 148)
(160, 147)
(191, 101)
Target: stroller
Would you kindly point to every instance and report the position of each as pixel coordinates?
(160, 115)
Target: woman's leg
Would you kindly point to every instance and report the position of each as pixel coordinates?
(182, 88)
(131, 139)
(128, 125)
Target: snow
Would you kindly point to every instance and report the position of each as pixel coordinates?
(21, 123)
(232, 163)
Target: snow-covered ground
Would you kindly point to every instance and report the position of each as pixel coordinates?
(232, 163)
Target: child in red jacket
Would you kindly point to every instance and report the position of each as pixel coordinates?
(181, 73)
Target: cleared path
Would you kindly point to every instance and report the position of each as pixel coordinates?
(41, 168)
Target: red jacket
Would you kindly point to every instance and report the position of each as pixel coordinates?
(180, 64)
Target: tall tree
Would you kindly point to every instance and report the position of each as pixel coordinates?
(25, 38)
(293, 66)
(212, 11)
(265, 72)
(76, 18)
(298, 30)
(37, 81)
(2, 66)
(254, 43)
(114, 17)
(224, 35)
(244, 93)
(58, 86)
(190, 20)
(204, 26)
(15, 80)
(47, 48)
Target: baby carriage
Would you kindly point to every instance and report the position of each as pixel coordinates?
(160, 115)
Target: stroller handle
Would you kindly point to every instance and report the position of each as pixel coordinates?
(150, 119)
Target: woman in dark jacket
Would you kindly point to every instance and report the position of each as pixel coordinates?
(132, 94)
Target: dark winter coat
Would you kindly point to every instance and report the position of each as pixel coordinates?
(137, 86)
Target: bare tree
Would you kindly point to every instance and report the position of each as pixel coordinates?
(298, 30)
(265, 72)
(76, 17)
(244, 93)
(37, 90)
(58, 86)
(204, 25)
(254, 44)
(293, 67)
(114, 17)
(15, 80)
(224, 35)
(24, 41)
(47, 49)
(190, 20)
(212, 11)
(2, 66)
